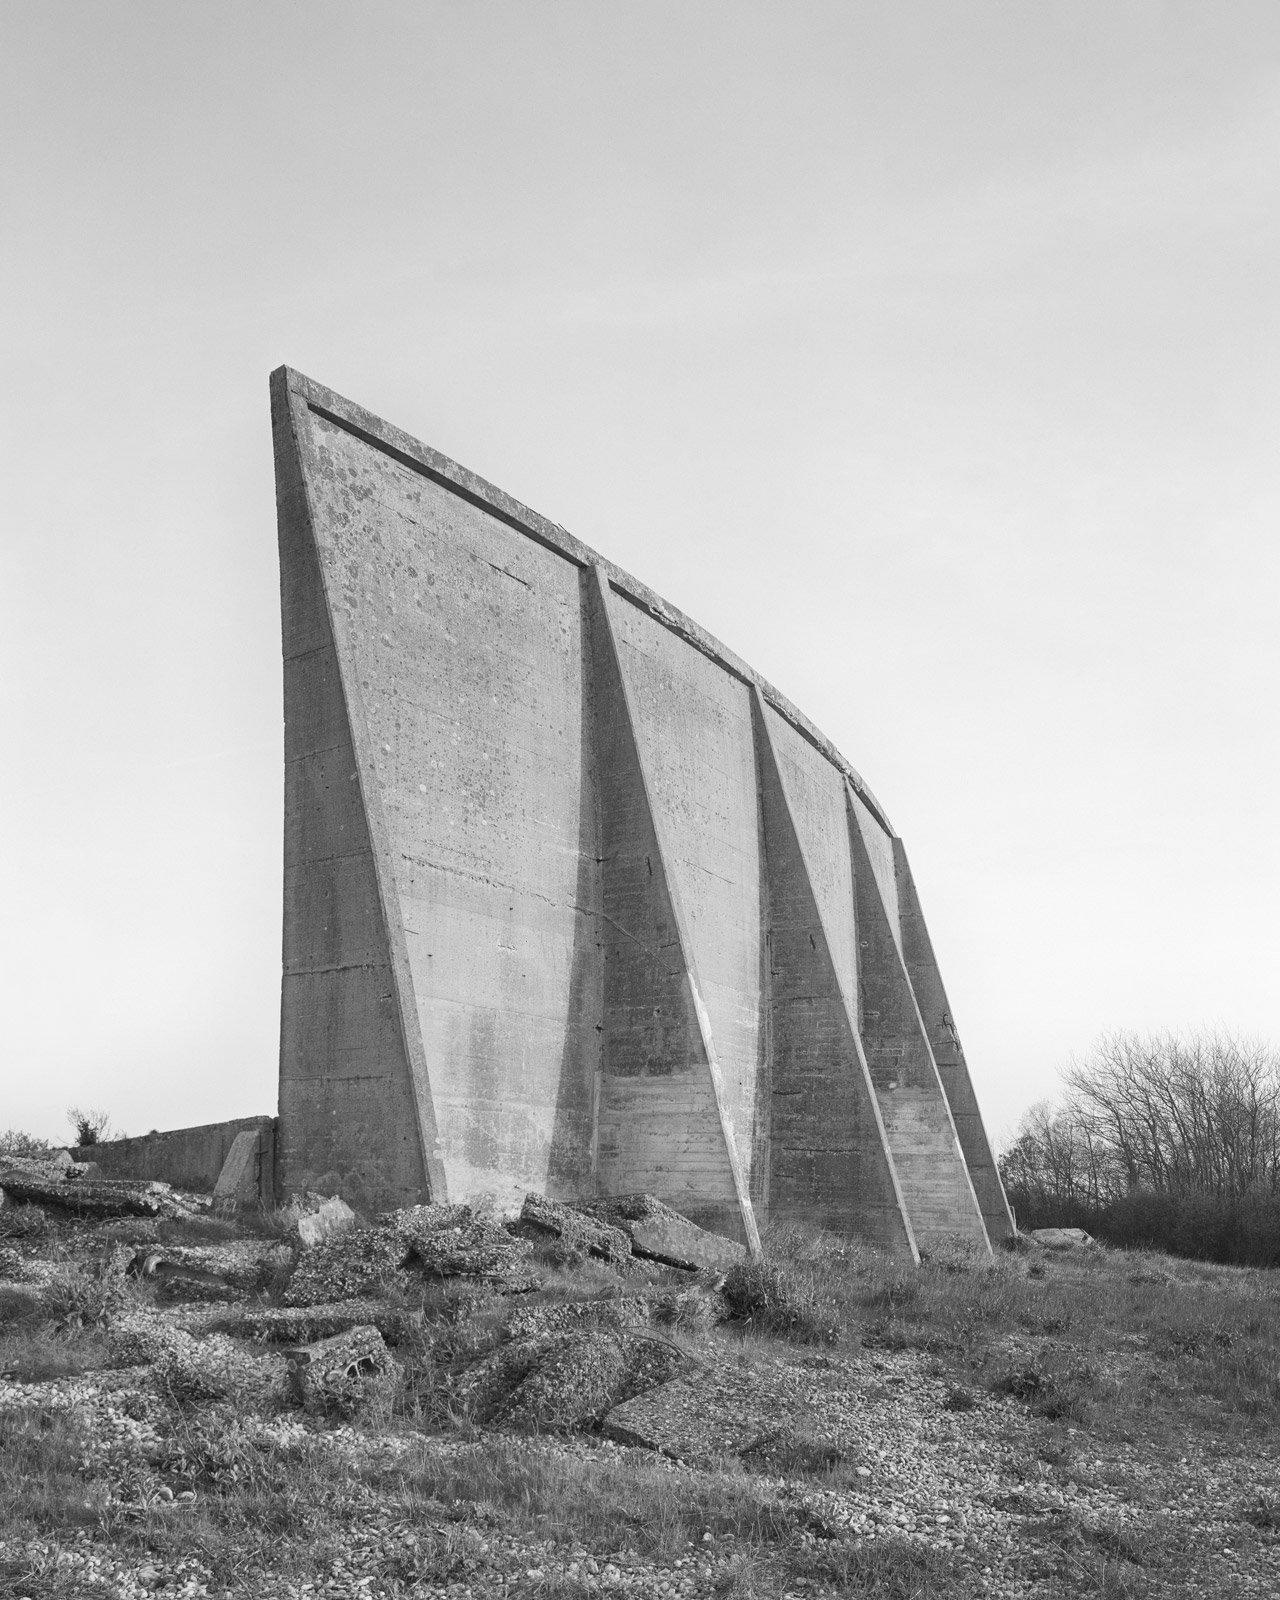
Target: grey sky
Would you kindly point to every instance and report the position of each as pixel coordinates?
(925, 354)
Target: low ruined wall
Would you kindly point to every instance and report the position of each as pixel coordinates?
(188, 1158)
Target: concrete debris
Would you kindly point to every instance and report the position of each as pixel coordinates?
(702, 1416)
(68, 1189)
(315, 1219)
(658, 1233)
(297, 1325)
(1064, 1239)
(208, 1272)
(351, 1265)
(571, 1385)
(330, 1371)
(560, 1382)
(413, 1223)
(585, 1234)
(138, 1339)
(478, 1249)
(193, 1371)
(617, 1313)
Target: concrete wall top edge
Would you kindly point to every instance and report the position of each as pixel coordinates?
(467, 485)
(194, 1128)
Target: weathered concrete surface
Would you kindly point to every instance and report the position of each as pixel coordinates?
(828, 1162)
(188, 1158)
(662, 1121)
(657, 1233)
(948, 1053)
(919, 1131)
(574, 901)
(351, 1107)
(240, 1186)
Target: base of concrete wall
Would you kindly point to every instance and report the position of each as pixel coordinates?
(188, 1158)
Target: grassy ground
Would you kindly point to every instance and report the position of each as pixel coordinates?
(1094, 1424)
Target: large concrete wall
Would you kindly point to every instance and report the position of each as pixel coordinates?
(574, 900)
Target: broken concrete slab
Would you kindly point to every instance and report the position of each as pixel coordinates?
(91, 1197)
(561, 1382)
(415, 1223)
(611, 1314)
(329, 1371)
(703, 1416)
(572, 1385)
(478, 1249)
(188, 1370)
(1063, 1238)
(299, 1325)
(313, 1219)
(579, 1231)
(657, 1233)
(354, 1264)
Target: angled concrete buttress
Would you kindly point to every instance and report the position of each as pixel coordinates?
(573, 900)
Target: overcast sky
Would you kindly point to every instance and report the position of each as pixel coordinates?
(926, 354)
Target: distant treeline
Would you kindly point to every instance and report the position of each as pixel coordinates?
(1161, 1142)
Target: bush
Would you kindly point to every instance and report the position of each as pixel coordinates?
(1244, 1232)
(785, 1300)
(13, 1142)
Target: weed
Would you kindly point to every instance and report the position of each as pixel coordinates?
(888, 1568)
(598, 1500)
(43, 1480)
(796, 1452)
(17, 1306)
(1262, 1511)
(29, 1354)
(23, 1222)
(83, 1296)
(785, 1300)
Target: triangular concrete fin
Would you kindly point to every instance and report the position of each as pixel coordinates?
(661, 1124)
(948, 1053)
(693, 732)
(931, 1168)
(829, 1163)
(354, 1115)
(815, 792)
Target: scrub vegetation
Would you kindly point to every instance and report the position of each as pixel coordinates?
(1088, 1422)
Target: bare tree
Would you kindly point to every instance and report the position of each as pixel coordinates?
(1179, 1132)
(91, 1126)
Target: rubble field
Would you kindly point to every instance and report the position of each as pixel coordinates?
(571, 1402)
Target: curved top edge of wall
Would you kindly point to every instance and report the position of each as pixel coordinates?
(412, 453)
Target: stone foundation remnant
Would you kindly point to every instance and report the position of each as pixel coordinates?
(574, 901)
